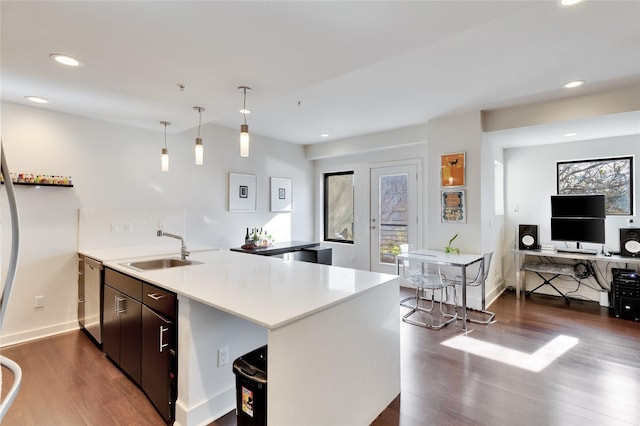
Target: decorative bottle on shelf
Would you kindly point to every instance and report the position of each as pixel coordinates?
(247, 240)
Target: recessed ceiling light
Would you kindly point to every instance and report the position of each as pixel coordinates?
(65, 60)
(245, 111)
(568, 3)
(324, 135)
(568, 135)
(573, 84)
(37, 99)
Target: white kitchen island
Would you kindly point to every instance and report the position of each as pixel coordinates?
(332, 334)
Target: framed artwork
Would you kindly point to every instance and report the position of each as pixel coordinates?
(452, 169)
(454, 207)
(612, 177)
(281, 200)
(242, 193)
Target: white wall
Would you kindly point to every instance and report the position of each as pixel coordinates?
(530, 180)
(118, 167)
(482, 231)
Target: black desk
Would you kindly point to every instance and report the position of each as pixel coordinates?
(304, 251)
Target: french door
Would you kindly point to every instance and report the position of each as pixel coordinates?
(395, 217)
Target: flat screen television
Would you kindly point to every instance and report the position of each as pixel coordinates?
(579, 219)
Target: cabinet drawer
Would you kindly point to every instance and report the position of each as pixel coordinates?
(160, 300)
(124, 283)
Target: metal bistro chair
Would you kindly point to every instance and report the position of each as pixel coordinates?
(479, 280)
(414, 272)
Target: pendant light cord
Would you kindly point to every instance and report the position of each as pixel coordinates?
(165, 135)
(244, 105)
(199, 120)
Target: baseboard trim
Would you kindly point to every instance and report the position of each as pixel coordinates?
(36, 334)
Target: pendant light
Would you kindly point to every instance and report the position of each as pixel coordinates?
(164, 158)
(199, 147)
(244, 128)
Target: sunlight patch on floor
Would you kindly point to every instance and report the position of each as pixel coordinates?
(535, 362)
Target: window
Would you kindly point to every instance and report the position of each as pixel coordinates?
(498, 188)
(338, 207)
(612, 177)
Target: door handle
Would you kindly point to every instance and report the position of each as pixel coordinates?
(119, 309)
(163, 345)
(155, 296)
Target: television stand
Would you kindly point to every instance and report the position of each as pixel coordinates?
(576, 250)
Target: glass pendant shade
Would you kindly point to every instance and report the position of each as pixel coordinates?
(199, 152)
(164, 158)
(244, 140)
(199, 148)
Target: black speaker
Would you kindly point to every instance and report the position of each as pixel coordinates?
(528, 237)
(630, 242)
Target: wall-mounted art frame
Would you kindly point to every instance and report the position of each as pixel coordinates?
(242, 193)
(612, 177)
(281, 195)
(454, 206)
(452, 169)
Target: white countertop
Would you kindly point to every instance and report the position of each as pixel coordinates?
(164, 248)
(267, 291)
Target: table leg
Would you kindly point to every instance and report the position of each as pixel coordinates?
(518, 283)
(464, 298)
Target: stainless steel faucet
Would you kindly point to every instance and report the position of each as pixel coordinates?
(183, 249)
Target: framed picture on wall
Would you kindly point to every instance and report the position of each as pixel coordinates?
(452, 169)
(281, 200)
(612, 177)
(242, 193)
(454, 208)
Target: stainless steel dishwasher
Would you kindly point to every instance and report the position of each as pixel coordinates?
(90, 297)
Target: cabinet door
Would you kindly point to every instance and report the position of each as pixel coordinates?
(111, 323)
(157, 349)
(130, 337)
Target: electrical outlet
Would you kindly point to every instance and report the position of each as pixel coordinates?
(114, 227)
(38, 303)
(128, 227)
(223, 356)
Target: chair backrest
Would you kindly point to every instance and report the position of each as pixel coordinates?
(483, 270)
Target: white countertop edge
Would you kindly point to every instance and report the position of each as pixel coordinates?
(152, 278)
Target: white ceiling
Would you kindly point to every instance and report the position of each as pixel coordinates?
(343, 68)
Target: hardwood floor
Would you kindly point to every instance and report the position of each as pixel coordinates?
(67, 380)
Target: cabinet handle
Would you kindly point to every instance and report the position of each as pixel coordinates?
(81, 300)
(155, 296)
(163, 345)
(119, 309)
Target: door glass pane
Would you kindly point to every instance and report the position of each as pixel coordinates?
(393, 213)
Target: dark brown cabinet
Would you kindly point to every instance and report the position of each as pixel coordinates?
(122, 323)
(159, 338)
(140, 336)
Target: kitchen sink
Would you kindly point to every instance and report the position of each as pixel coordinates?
(164, 263)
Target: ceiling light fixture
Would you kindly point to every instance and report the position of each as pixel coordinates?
(37, 99)
(568, 3)
(244, 128)
(199, 147)
(568, 135)
(572, 84)
(324, 135)
(164, 157)
(65, 60)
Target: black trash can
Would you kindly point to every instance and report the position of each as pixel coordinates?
(251, 387)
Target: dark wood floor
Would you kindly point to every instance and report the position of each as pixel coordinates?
(67, 381)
